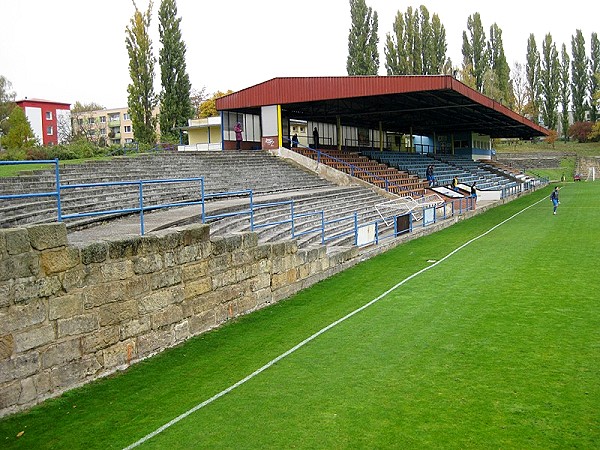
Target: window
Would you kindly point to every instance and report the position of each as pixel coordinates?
(115, 117)
(127, 128)
(90, 121)
(102, 119)
(80, 122)
(102, 131)
(50, 130)
(126, 116)
(48, 115)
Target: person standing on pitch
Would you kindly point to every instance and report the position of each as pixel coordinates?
(554, 198)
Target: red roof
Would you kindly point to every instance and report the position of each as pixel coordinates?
(419, 102)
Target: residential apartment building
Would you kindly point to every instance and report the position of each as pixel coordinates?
(50, 121)
(105, 126)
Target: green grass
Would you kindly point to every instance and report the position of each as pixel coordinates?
(496, 347)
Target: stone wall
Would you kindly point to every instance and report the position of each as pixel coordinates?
(70, 315)
(585, 163)
(534, 160)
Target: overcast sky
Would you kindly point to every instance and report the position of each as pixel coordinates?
(74, 50)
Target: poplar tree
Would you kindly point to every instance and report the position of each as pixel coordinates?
(475, 55)
(141, 99)
(418, 44)
(20, 135)
(594, 73)
(579, 76)
(363, 55)
(565, 91)
(532, 74)
(501, 71)
(175, 103)
(550, 82)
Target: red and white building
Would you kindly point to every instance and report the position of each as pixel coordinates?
(50, 121)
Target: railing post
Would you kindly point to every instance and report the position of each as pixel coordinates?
(355, 228)
(322, 227)
(251, 212)
(141, 207)
(202, 201)
(58, 203)
(292, 219)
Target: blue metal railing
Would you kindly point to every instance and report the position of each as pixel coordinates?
(300, 223)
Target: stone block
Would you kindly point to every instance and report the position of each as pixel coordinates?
(16, 240)
(6, 294)
(9, 394)
(7, 346)
(21, 366)
(249, 240)
(84, 323)
(153, 342)
(102, 294)
(167, 316)
(61, 353)
(196, 288)
(28, 391)
(226, 244)
(181, 331)
(188, 253)
(20, 317)
(134, 327)
(59, 260)
(96, 252)
(219, 263)
(19, 266)
(160, 299)
(118, 312)
(125, 248)
(30, 288)
(170, 241)
(202, 322)
(136, 287)
(147, 264)
(196, 233)
(119, 354)
(74, 372)
(169, 277)
(33, 338)
(280, 280)
(45, 236)
(117, 270)
(193, 271)
(65, 306)
(100, 339)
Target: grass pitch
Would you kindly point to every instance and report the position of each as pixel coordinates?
(497, 346)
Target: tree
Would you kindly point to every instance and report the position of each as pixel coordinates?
(594, 79)
(417, 46)
(208, 108)
(141, 99)
(175, 104)
(82, 128)
(549, 82)
(475, 55)
(519, 84)
(20, 135)
(7, 103)
(196, 99)
(501, 72)
(579, 76)
(363, 55)
(581, 131)
(532, 71)
(565, 92)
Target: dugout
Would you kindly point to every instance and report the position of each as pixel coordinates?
(423, 114)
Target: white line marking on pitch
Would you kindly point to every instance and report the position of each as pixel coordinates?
(317, 334)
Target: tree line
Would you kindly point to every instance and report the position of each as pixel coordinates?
(548, 82)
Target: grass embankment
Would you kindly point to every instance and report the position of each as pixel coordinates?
(495, 347)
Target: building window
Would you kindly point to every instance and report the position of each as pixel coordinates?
(102, 131)
(90, 120)
(48, 115)
(102, 119)
(114, 117)
(126, 116)
(50, 130)
(80, 122)
(127, 128)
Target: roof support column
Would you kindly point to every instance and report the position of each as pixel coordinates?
(270, 117)
(338, 130)
(412, 147)
(380, 136)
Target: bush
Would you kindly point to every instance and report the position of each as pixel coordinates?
(13, 154)
(580, 131)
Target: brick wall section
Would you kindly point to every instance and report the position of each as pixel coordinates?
(71, 315)
(585, 163)
(540, 160)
